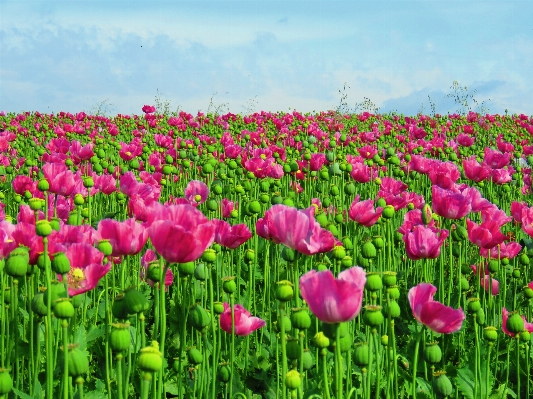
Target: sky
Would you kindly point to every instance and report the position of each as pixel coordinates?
(250, 56)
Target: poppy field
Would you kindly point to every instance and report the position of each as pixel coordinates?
(269, 255)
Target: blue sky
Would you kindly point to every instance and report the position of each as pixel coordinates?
(242, 56)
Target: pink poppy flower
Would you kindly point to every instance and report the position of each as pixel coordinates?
(126, 238)
(501, 176)
(505, 251)
(363, 212)
(180, 233)
(297, 229)
(148, 109)
(449, 204)
(464, 140)
(81, 153)
(438, 317)
(244, 324)
(392, 186)
(485, 235)
(86, 268)
(227, 207)
(474, 170)
(496, 215)
(505, 316)
(23, 183)
(476, 199)
(196, 192)
(361, 173)
(62, 181)
(495, 159)
(487, 281)
(444, 174)
(516, 210)
(334, 300)
(424, 242)
(7, 242)
(231, 236)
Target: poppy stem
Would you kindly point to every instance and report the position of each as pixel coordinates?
(415, 362)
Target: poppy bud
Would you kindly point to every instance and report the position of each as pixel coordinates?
(63, 308)
(223, 373)
(195, 356)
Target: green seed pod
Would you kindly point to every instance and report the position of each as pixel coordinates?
(285, 323)
(524, 259)
(212, 205)
(200, 272)
(195, 356)
(369, 250)
(392, 308)
(289, 254)
(388, 212)
(63, 308)
(37, 304)
(223, 373)
(218, 307)
(17, 263)
(307, 359)
(347, 243)
(322, 220)
(480, 317)
(43, 261)
(284, 291)
(516, 273)
(249, 255)
(389, 279)
(60, 263)
(360, 355)
(338, 252)
(120, 339)
(134, 301)
(490, 333)
(6, 382)
(464, 284)
(57, 290)
(293, 349)
(321, 340)
(432, 353)
(293, 380)
(43, 185)
(331, 330)
(78, 363)
(347, 262)
(473, 305)
(228, 285)
(515, 323)
(150, 359)
(254, 207)
(154, 271)
(394, 292)
(199, 318)
(119, 309)
(525, 336)
(443, 385)
(373, 316)
(186, 269)
(378, 242)
(373, 282)
(209, 256)
(104, 246)
(345, 342)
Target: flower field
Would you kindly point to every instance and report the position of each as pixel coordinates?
(270, 255)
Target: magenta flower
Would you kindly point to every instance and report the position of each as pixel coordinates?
(449, 204)
(444, 174)
(81, 153)
(485, 235)
(474, 170)
(180, 233)
(227, 207)
(505, 251)
(196, 192)
(151, 257)
(148, 109)
(438, 317)
(424, 242)
(244, 324)
(334, 300)
(516, 210)
(62, 181)
(231, 236)
(86, 268)
(363, 212)
(505, 316)
(495, 159)
(297, 229)
(126, 238)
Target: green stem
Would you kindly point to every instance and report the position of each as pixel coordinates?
(415, 362)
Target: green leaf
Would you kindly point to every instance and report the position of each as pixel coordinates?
(80, 337)
(22, 394)
(465, 382)
(94, 333)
